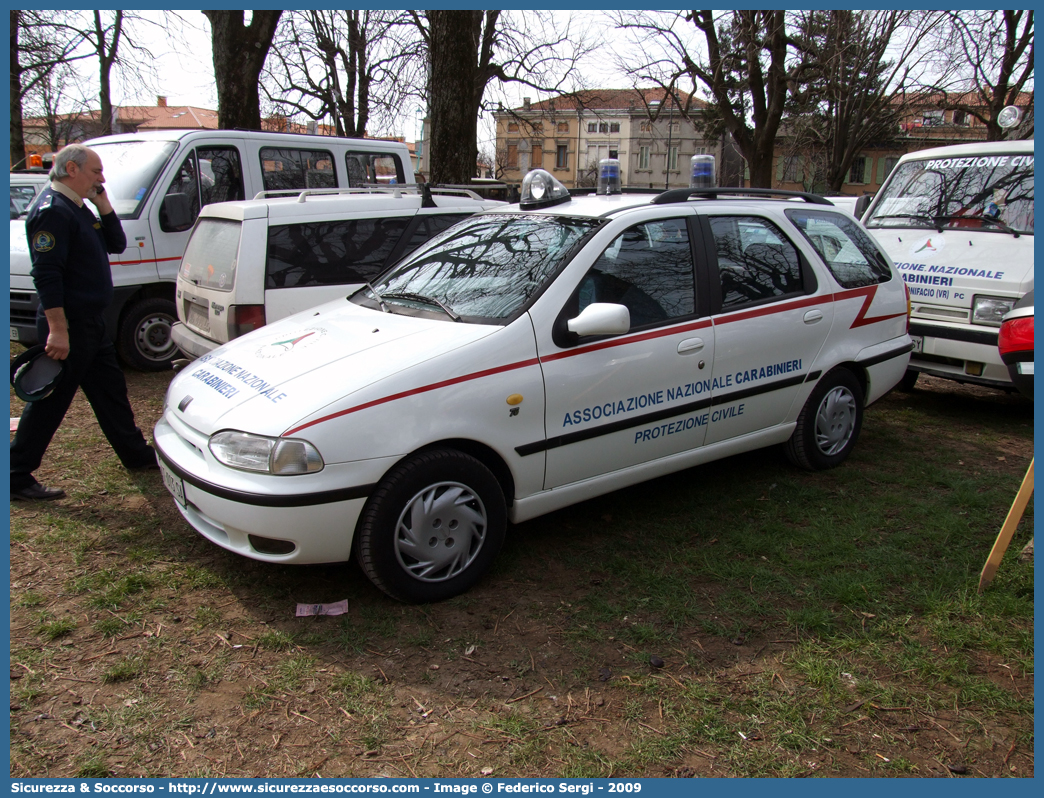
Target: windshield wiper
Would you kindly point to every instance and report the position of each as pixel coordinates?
(919, 217)
(1001, 225)
(427, 300)
(380, 299)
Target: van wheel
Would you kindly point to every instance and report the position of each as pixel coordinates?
(432, 528)
(909, 380)
(829, 423)
(144, 340)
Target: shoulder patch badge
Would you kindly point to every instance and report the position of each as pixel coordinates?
(43, 241)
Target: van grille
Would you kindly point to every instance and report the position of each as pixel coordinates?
(941, 313)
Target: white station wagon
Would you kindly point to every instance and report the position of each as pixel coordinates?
(529, 358)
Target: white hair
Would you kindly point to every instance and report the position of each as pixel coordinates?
(77, 153)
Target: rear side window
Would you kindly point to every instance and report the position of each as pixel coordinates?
(756, 261)
(844, 246)
(373, 167)
(330, 253)
(286, 169)
(212, 254)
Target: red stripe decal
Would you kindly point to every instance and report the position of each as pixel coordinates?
(423, 389)
(132, 262)
(630, 339)
(861, 320)
(868, 293)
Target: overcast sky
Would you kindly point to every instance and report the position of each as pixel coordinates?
(184, 72)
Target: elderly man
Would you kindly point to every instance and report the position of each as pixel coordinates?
(68, 246)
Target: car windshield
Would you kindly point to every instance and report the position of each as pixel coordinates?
(483, 269)
(131, 167)
(991, 193)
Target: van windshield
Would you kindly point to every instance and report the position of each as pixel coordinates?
(992, 193)
(131, 168)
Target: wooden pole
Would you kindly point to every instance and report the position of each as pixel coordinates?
(1018, 507)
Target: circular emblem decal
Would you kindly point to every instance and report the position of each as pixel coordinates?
(286, 343)
(43, 241)
(928, 246)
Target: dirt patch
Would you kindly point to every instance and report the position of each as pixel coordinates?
(199, 668)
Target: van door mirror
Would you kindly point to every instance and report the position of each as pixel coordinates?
(601, 318)
(862, 204)
(176, 213)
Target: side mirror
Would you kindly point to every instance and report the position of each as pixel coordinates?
(601, 318)
(176, 213)
(862, 204)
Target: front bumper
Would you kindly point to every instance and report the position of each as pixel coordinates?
(23, 316)
(965, 353)
(314, 515)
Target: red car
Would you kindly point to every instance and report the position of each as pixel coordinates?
(1016, 344)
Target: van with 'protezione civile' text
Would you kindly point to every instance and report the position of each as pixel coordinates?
(957, 223)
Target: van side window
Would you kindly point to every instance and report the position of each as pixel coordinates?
(286, 169)
(182, 200)
(222, 174)
(373, 167)
(756, 261)
(425, 227)
(648, 268)
(330, 253)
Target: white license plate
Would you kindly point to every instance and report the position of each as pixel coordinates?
(1026, 368)
(14, 333)
(918, 342)
(198, 317)
(174, 483)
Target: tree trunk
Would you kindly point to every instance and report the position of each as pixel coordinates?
(239, 55)
(106, 57)
(453, 53)
(17, 146)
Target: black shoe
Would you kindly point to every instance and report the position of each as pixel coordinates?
(149, 464)
(37, 492)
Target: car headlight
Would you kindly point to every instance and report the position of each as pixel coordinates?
(990, 309)
(279, 456)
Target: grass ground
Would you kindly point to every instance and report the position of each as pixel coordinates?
(738, 619)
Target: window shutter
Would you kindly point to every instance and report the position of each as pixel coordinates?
(880, 170)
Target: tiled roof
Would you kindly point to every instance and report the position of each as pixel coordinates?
(609, 99)
(168, 117)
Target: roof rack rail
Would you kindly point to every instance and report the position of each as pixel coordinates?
(303, 194)
(683, 194)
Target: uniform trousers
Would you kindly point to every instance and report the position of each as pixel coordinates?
(92, 366)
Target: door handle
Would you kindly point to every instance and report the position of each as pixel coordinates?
(690, 345)
(813, 316)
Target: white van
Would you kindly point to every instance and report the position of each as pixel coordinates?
(250, 263)
(958, 224)
(158, 181)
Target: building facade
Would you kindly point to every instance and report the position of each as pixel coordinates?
(568, 136)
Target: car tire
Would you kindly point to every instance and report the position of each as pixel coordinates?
(909, 380)
(144, 341)
(829, 423)
(461, 513)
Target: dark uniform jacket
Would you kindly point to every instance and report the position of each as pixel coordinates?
(68, 246)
